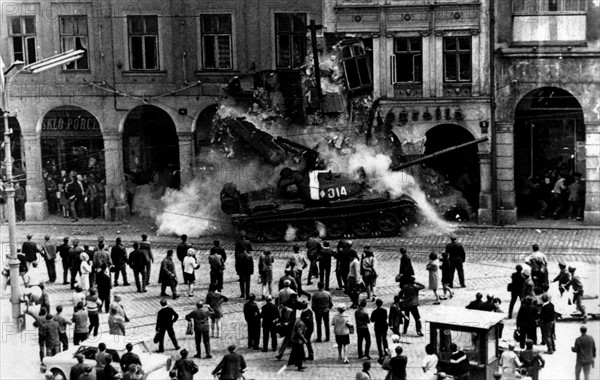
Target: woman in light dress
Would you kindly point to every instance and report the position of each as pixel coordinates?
(190, 264)
(434, 282)
(85, 268)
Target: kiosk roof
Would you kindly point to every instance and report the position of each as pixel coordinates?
(457, 316)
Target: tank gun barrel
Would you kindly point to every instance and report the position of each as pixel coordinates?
(438, 153)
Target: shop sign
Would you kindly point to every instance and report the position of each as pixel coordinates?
(70, 124)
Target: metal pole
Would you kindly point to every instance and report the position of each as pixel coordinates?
(317, 68)
(12, 223)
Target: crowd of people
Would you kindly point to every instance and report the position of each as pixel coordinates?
(554, 194)
(289, 311)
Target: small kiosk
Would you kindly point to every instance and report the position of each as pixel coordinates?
(475, 332)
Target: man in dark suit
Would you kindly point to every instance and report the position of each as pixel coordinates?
(137, 262)
(165, 319)
(405, 271)
(547, 318)
(585, 348)
(245, 272)
(270, 315)
(252, 317)
(75, 193)
(321, 304)
(231, 367)
(167, 276)
(516, 288)
(181, 252)
(325, 256)
(526, 321)
(200, 316)
(63, 251)
(307, 317)
(30, 250)
(146, 249)
(457, 255)
(118, 254)
(241, 245)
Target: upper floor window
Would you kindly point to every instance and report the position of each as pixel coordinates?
(74, 36)
(216, 41)
(457, 59)
(22, 35)
(541, 6)
(407, 60)
(357, 66)
(549, 21)
(290, 40)
(143, 42)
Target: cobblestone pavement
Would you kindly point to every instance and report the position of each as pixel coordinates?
(491, 256)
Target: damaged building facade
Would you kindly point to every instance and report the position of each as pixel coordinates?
(431, 75)
(139, 105)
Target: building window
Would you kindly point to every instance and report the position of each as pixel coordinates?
(549, 21)
(457, 59)
(143, 42)
(542, 6)
(74, 36)
(22, 35)
(290, 40)
(408, 60)
(216, 41)
(357, 66)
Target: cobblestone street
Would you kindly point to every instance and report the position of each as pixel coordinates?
(492, 254)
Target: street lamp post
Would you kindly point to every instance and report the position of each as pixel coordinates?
(12, 71)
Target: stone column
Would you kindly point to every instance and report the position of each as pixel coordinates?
(505, 174)
(186, 156)
(592, 173)
(484, 214)
(36, 207)
(116, 201)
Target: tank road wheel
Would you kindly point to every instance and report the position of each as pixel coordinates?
(362, 226)
(253, 232)
(335, 228)
(304, 230)
(273, 231)
(388, 223)
(406, 214)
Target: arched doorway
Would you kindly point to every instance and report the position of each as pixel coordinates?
(151, 147)
(72, 143)
(204, 127)
(549, 142)
(460, 168)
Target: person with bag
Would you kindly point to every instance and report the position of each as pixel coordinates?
(165, 319)
(368, 272)
(342, 330)
(190, 264)
(200, 318)
(186, 368)
(231, 367)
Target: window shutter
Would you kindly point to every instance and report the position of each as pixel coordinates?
(393, 68)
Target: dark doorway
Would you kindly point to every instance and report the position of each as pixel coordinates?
(460, 167)
(549, 142)
(204, 128)
(151, 147)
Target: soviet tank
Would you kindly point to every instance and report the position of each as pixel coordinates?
(315, 197)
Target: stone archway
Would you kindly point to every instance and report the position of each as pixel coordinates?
(203, 131)
(549, 141)
(460, 168)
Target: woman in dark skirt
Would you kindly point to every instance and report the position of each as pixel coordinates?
(446, 275)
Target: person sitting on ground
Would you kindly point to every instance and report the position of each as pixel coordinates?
(476, 304)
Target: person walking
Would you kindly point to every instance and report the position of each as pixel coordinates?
(51, 333)
(405, 270)
(200, 318)
(245, 272)
(146, 249)
(396, 316)
(509, 362)
(341, 329)
(270, 315)
(63, 252)
(265, 269)
(181, 251)
(547, 321)
(81, 321)
(116, 323)
(62, 323)
(563, 277)
(577, 286)
(313, 250)
(48, 252)
(217, 267)
(379, 317)
(298, 341)
(231, 366)
(368, 272)
(532, 361)
(287, 317)
(31, 250)
(353, 279)
(104, 286)
(165, 319)
(398, 365)
(321, 305)
(307, 317)
(190, 264)
(39, 321)
(515, 287)
(526, 321)
(75, 261)
(446, 269)
(186, 368)
(118, 255)
(138, 263)
(457, 256)
(433, 267)
(361, 318)
(325, 264)
(92, 304)
(252, 317)
(585, 348)
(214, 299)
(410, 294)
(576, 197)
(167, 276)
